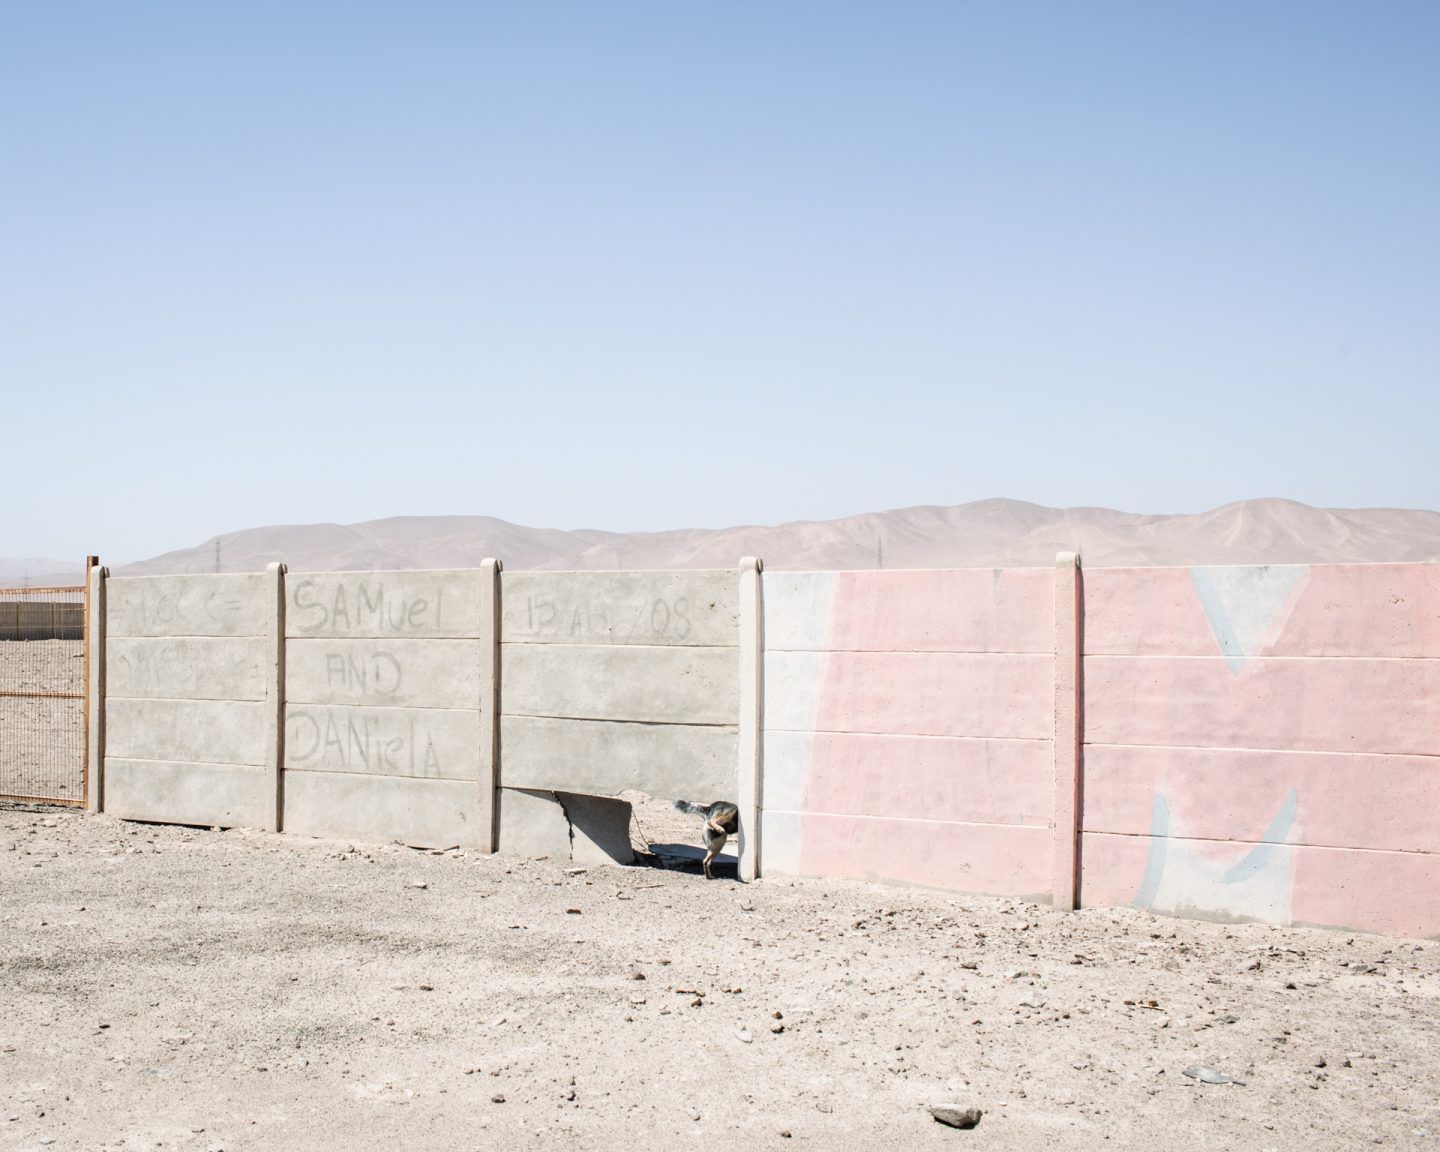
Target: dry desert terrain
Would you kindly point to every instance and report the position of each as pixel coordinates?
(180, 988)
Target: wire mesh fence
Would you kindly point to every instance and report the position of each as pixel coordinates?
(42, 694)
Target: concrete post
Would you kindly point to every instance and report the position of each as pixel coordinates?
(275, 697)
(1065, 826)
(752, 686)
(487, 832)
(95, 690)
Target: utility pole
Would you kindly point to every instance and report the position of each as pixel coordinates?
(879, 552)
(217, 554)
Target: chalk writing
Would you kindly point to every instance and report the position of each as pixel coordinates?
(609, 622)
(362, 607)
(371, 671)
(357, 742)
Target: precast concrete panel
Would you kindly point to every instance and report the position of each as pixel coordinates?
(223, 795)
(212, 605)
(653, 685)
(911, 693)
(186, 668)
(1309, 705)
(420, 813)
(686, 609)
(193, 731)
(384, 673)
(383, 605)
(672, 761)
(428, 743)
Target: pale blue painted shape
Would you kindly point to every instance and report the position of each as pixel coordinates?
(1275, 836)
(1243, 605)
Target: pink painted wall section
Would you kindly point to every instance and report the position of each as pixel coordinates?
(1387, 892)
(1373, 802)
(1260, 743)
(937, 694)
(1264, 743)
(970, 610)
(921, 778)
(908, 719)
(1316, 705)
(1344, 610)
(1001, 859)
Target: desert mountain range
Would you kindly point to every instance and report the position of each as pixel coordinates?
(986, 533)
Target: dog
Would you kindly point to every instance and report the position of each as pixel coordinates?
(722, 820)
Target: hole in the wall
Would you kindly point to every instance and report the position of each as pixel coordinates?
(664, 838)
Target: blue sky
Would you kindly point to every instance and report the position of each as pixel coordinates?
(642, 266)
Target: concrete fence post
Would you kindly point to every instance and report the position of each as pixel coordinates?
(487, 833)
(95, 689)
(275, 696)
(752, 687)
(1069, 719)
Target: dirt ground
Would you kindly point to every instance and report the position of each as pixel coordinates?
(176, 988)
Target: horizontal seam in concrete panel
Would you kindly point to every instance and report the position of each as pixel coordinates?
(525, 574)
(1041, 827)
(1045, 567)
(620, 723)
(380, 777)
(911, 735)
(918, 651)
(626, 647)
(187, 763)
(1397, 755)
(111, 634)
(1267, 843)
(1217, 658)
(613, 720)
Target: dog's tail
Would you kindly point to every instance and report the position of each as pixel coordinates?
(693, 809)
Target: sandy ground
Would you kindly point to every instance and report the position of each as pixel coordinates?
(176, 988)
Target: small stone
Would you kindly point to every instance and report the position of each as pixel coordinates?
(695, 1115)
(427, 987)
(498, 1098)
(743, 1036)
(419, 884)
(957, 1117)
(1211, 1076)
(777, 1027)
(637, 999)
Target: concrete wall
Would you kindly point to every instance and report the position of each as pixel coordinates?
(1255, 743)
(620, 680)
(908, 727)
(186, 699)
(1262, 742)
(385, 676)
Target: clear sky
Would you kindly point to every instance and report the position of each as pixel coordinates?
(642, 266)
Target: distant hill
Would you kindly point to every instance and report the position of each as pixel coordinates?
(987, 533)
